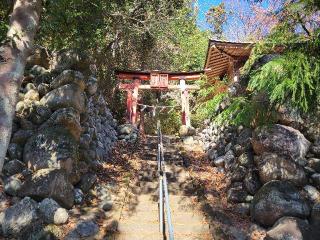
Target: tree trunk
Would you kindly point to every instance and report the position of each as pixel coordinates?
(23, 25)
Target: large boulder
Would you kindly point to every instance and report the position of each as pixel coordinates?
(49, 183)
(280, 139)
(21, 136)
(12, 167)
(69, 76)
(67, 117)
(52, 212)
(69, 59)
(277, 199)
(185, 131)
(19, 218)
(273, 167)
(289, 228)
(53, 147)
(290, 117)
(86, 229)
(39, 56)
(70, 95)
(91, 86)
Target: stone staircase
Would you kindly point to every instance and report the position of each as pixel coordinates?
(139, 215)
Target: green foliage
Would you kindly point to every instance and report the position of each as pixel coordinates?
(207, 101)
(216, 17)
(292, 77)
(5, 10)
(246, 111)
(191, 42)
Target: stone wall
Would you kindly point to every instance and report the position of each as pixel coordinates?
(62, 131)
(272, 171)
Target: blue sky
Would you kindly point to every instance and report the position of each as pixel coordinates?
(203, 7)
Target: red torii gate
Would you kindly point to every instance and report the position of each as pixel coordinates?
(158, 80)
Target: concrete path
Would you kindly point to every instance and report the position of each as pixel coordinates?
(138, 215)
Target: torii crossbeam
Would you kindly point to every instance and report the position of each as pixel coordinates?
(132, 81)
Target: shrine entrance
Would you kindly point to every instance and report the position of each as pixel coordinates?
(134, 81)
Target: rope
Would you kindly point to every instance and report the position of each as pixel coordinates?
(162, 106)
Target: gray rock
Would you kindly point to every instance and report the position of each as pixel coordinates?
(312, 193)
(301, 161)
(230, 160)
(21, 136)
(12, 167)
(32, 95)
(188, 140)
(14, 151)
(290, 117)
(38, 70)
(185, 131)
(315, 149)
(238, 174)
(68, 76)
(85, 230)
(280, 139)
(92, 86)
(316, 179)
(244, 139)
(12, 185)
(246, 159)
(289, 228)
(243, 209)
(69, 95)
(127, 129)
(49, 183)
(67, 117)
(68, 59)
(78, 196)
(315, 214)
(87, 181)
(251, 182)
(237, 194)
(53, 147)
(52, 212)
(39, 57)
(219, 162)
(30, 86)
(39, 114)
(277, 199)
(19, 218)
(309, 171)
(26, 124)
(273, 167)
(314, 163)
(43, 89)
(107, 205)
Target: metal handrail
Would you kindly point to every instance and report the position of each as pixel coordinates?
(163, 189)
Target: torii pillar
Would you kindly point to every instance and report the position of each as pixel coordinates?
(132, 102)
(185, 111)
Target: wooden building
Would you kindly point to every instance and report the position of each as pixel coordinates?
(226, 58)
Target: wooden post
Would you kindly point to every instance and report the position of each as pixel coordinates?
(141, 126)
(185, 112)
(135, 94)
(129, 105)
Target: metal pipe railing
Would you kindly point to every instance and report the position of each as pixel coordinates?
(163, 190)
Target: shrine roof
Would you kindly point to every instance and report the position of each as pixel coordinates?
(221, 54)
